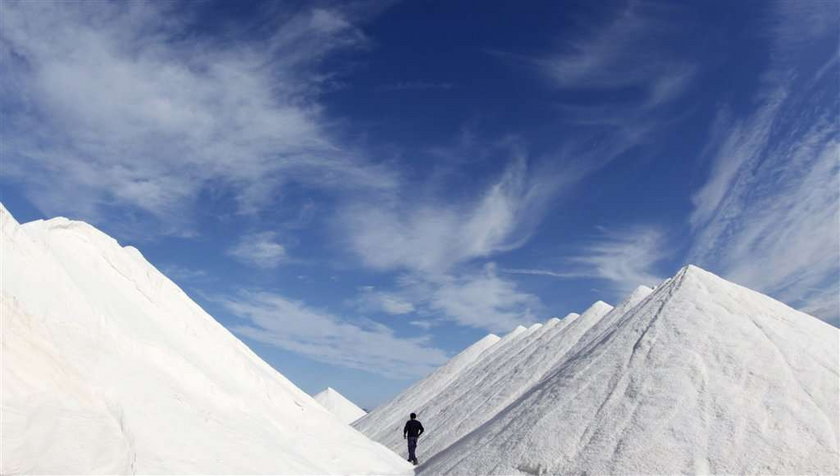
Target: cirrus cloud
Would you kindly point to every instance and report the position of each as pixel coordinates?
(115, 111)
(366, 345)
(768, 213)
(259, 249)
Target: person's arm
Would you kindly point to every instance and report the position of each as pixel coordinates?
(421, 428)
(405, 430)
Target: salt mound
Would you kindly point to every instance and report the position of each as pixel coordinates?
(388, 419)
(486, 387)
(108, 367)
(703, 376)
(346, 411)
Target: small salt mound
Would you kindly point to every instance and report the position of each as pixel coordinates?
(346, 411)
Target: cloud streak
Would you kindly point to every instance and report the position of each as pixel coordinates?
(476, 298)
(365, 345)
(379, 301)
(623, 52)
(625, 258)
(259, 249)
(540, 272)
(433, 237)
(638, 84)
(484, 300)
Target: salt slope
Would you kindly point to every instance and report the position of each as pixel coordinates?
(385, 423)
(702, 376)
(108, 367)
(421, 396)
(479, 394)
(483, 389)
(346, 411)
(501, 381)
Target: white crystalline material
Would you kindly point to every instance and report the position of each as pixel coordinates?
(495, 380)
(108, 367)
(389, 418)
(511, 373)
(346, 411)
(703, 376)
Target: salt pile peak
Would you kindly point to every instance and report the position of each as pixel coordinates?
(108, 367)
(701, 376)
(346, 411)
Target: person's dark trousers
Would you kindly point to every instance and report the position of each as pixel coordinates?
(412, 445)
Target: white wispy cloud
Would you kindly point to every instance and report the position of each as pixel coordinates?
(476, 298)
(639, 80)
(738, 144)
(793, 27)
(824, 303)
(435, 244)
(109, 104)
(425, 325)
(183, 273)
(484, 300)
(625, 257)
(378, 301)
(366, 345)
(540, 272)
(433, 236)
(259, 249)
(623, 51)
(393, 305)
(768, 215)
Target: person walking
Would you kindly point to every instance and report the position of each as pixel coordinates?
(412, 430)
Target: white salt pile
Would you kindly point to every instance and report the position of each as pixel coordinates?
(108, 367)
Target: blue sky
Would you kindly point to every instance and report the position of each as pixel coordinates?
(360, 190)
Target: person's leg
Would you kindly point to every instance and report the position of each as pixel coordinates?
(412, 445)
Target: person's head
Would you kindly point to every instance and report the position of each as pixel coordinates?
(413, 416)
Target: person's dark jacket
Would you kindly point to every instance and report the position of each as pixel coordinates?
(413, 428)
